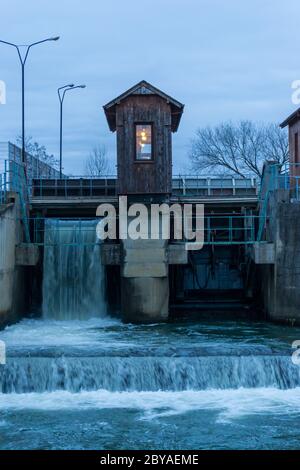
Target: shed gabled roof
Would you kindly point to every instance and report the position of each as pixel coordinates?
(143, 88)
(295, 116)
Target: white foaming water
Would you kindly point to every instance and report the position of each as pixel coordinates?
(39, 333)
(95, 363)
(146, 373)
(73, 282)
(229, 404)
(76, 356)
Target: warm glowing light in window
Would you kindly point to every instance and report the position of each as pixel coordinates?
(143, 141)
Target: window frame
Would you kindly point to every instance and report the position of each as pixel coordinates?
(144, 160)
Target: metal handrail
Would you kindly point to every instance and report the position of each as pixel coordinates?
(78, 177)
(14, 180)
(219, 229)
(184, 186)
(285, 177)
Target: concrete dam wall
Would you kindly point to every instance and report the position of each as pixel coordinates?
(281, 279)
(12, 275)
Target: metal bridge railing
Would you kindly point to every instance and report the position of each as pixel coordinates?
(290, 181)
(10, 173)
(74, 186)
(277, 177)
(3, 188)
(183, 186)
(218, 229)
(207, 186)
(13, 179)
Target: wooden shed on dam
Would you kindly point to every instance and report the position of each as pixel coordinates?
(144, 118)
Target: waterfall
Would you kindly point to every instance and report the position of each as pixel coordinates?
(127, 374)
(73, 281)
(179, 385)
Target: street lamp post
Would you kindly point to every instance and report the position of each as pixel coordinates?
(61, 95)
(23, 60)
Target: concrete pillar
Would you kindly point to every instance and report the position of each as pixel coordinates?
(144, 281)
(286, 277)
(280, 277)
(12, 277)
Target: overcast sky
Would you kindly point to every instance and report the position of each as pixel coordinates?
(225, 60)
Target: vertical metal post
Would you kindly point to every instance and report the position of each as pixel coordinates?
(23, 59)
(61, 97)
(208, 183)
(60, 139)
(23, 113)
(252, 228)
(208, 229)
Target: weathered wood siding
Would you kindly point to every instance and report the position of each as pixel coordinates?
(144, 177)
(294, 133)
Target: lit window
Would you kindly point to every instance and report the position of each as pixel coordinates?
(143, 133)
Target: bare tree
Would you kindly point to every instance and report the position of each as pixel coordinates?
(276, 144)
(97, 163)
(238, 149)
(38, 151)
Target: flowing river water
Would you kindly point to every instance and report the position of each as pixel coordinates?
(76, 381)
(100, 384)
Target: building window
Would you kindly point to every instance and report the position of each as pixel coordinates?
(296, 148)
(143, 137)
